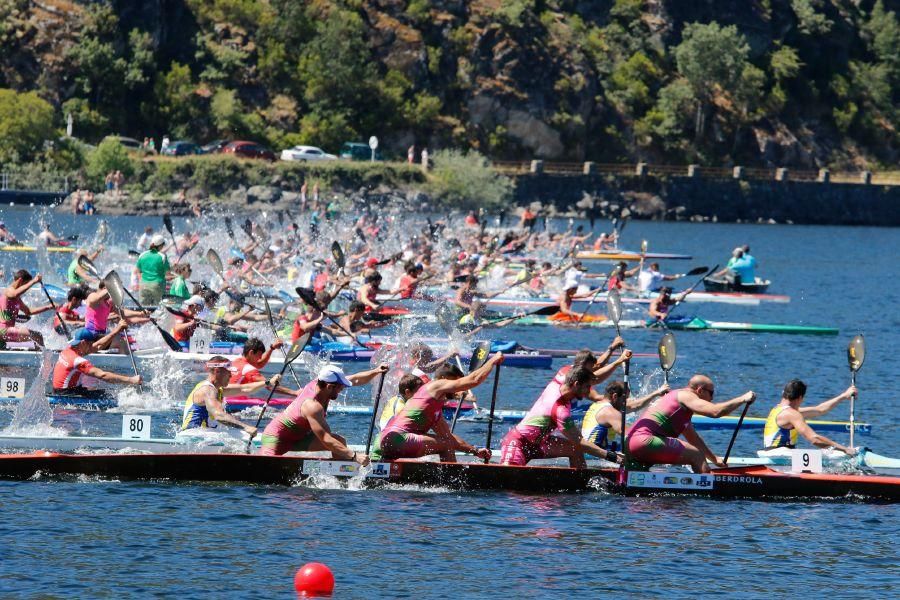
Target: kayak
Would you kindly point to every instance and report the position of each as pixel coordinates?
(690, 324)
(565, 319)
(18, 248)
(629, 255)
(737, 482)
(737, 298)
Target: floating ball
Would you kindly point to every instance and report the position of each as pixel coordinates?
(314, 578)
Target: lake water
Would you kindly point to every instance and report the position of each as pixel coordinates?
(115, 539)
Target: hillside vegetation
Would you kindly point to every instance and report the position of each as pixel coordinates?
(757, 82)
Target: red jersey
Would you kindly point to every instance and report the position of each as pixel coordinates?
(246, 373)
(408, 286)
(69, 369)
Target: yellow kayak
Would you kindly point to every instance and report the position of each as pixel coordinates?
(32, 249)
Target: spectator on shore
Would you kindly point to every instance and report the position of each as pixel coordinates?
(109, 181)
(118, 182)
(411, 154)
(165, 143)
(424, 159)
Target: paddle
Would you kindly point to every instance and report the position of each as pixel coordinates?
(114, 287)
(113, 278)
(290, 357)
(644, 246)
(688, 291)
(734, 434)
(167, 221)
(338, 254)
(56, 310)
(614, 308)
(479, 356)
(374, 413)
(593, 298)
(88, 265)
(856, 355)
(212, 257)
(668, 352)
(493, 406)
(445, 317)
(275, 333)
(229, 228)
(309, 296)
(541, 312)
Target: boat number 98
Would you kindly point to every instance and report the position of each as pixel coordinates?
(12, 387)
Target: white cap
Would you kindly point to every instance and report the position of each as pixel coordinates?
(157, 240)
(333, 374)
(195, 299)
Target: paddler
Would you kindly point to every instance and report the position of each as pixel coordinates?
(254, 357)
(354, 321)
(662, 304)
(11, 305)
(369, 291)
(98, 308)
(205, 407)
(568, 295)
(618, 276)
(602, 423)
(420, 429)
(653, 439)
(152, 267)
(651, 279)
(67, 310)
(76, 274)
(184, 327)
(532, 438)
(72, 365)
(407, 388)
(302, 426)
(788, 419)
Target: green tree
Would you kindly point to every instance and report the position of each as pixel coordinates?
(810, 21)
(26, 122)
(712, 58)
(785, 63)
(110, 155)
(883, 30)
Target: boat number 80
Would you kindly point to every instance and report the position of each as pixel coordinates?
(136, 425)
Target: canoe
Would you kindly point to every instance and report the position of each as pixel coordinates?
(737, 482)
(628, 255)
(690, 324)
(720, 284)
(736, 298)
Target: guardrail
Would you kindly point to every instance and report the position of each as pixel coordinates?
(13, 182)
(538, 167)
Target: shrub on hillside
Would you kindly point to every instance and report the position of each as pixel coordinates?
(467, 179)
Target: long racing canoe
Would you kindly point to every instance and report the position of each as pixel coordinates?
(629, 255)
(739, 482)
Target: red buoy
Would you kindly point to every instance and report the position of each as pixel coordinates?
(313, 579)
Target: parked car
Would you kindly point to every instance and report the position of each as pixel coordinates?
(214, 147)
(355, 151)
(306, 153)
(181, 148)
(244, 149)
(127, 142)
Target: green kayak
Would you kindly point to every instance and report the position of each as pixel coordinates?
(688, 324)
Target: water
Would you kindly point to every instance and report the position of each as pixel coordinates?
(110, 539)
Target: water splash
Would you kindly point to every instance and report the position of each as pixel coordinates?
(33, 415)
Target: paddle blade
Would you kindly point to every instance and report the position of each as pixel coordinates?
(480, 354)
(696, 271)
(280, 216)
(228, 227)
(178, 313)
(167, 221)
(114, 287)
(361, 235)
(338, 254)
(643, 246)
(614, 306)
(856, 353)
(247, 227)
(88, 265)
(308, 296)
(269, 314)
(545, 311)
(667, 352)
(297, 347)
(212, 257)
